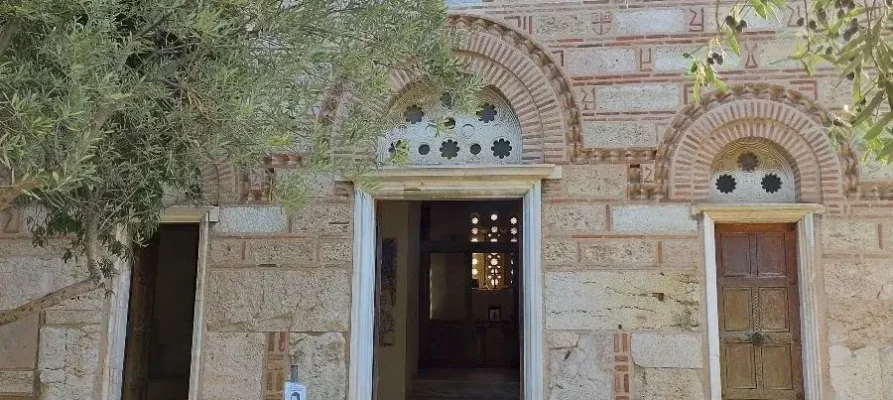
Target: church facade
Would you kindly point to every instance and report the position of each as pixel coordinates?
(639, 244)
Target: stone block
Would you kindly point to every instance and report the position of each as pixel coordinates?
(684, 253)
(296, 251)
(654, 349)
(563, 25)
(72, 317)
(27, 278)
(561, 339)
(668, 384)
(233, 366)
(601, 60)
(18, 343)
(670, 59)
(271, 299)
(868, 279)
(638, 97)
(559, 252)
(269, 219)
(604, 300)
(650, 22)
(874, 171)
(17, 382)
(573, 218)
(848, 235)
(774, 54)
(583, 371)
(887, 368)
(337, 251)
(857, 322)
(316, 183)
(25, 248)
(856, 374)
(226, 251)
(832, 92)
(618, 253)
(595, 181)
(653, 218)
(620, 135)
(329, 218)
(322, 363)
(67, 361)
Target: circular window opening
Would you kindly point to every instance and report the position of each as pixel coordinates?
(414, 114)
(447, 100)
(424, 149)
(475, 149)
(726, 183)
(771, 183)
(501, 148)
(449, 149)
(450, 123)
(748, 162)
(487, 112)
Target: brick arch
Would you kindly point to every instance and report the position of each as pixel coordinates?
(508, 60)
(527, 76)
(797, 125)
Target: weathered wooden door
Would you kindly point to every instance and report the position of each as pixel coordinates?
(139, 323)
(759, 324)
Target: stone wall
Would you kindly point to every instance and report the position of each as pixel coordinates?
(53, 354)
(623, 273)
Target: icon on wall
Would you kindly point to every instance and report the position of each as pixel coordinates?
(295, 391)
(495, 313)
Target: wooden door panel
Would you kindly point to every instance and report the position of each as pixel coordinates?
(759, 312)
(777, 371)
(773, 310)
(770, 260)
(740, 373)
(735, 250)
(737, 305)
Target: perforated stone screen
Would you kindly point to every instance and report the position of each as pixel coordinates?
(492, 135)
(752, 171)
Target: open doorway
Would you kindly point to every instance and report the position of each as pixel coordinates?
(158, 349)
(448, 301)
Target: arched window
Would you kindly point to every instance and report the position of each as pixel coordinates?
(492, 135)
(752, 171)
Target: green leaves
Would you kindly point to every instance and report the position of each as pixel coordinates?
(113, 105)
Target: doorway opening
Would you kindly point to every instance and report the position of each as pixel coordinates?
(448, 299)
(759, 311)
(158, 349)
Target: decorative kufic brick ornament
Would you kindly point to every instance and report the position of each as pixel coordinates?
(602, 23)
(750, 50)
(559, 56)
(794, 14)
(622, 366)
(646, 62)
(696, 23)
(277, 365)
(523, 23)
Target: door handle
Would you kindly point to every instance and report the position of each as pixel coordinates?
(756, 338)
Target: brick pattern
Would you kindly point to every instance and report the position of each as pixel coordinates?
(796, 124)
(623, 366)
(276, 365)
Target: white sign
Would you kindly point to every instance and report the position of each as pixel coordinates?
(295, 391)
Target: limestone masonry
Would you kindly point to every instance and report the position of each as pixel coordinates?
(598, 89)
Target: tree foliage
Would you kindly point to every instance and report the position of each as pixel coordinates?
(106, 106)
(847, 36)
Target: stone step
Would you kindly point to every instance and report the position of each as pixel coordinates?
(469, 390)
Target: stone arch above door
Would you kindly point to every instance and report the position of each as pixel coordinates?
(529, 79)
(700, 132)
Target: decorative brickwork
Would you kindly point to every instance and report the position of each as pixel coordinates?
(623, 367)
(794, 123)
(276, 369)
(530, 79)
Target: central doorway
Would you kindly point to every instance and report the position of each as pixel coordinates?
(448, 279)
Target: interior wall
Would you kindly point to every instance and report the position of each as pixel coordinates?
(397, 364)
(174, 305)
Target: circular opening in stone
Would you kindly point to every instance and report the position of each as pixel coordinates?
(475, 149)
(424, 149)
(726, 183)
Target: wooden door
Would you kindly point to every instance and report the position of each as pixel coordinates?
(139, 322)
(759, 315)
